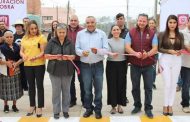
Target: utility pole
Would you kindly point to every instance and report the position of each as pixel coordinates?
(155, 9)
(127, 16)
(68, 7)
(57, 12)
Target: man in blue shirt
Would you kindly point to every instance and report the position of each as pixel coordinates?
(91, 45)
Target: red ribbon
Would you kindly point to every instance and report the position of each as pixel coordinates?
(58, 56)
(78, 70)
(185, 52)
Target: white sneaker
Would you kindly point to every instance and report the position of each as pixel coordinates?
(186, 109)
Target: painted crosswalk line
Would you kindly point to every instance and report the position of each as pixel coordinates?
(125, 119)
(9, 119)
(156, 119)
(34, 119)
(180, 118)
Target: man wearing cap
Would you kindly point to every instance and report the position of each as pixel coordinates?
(19, 26)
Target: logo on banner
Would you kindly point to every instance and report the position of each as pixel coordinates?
(182, 20)
(5, 18)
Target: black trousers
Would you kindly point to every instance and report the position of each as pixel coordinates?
(23, 77)
(116, 82)
(185, 76)
(35, 78)
(72, 88)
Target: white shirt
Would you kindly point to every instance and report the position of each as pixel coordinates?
(186, 58)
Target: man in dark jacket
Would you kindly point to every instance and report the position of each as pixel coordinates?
(142, 43)
(73, 29)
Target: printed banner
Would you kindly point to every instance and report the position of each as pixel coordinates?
(12, 10)
(179, 8)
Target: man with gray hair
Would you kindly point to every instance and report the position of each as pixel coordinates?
(91, 44)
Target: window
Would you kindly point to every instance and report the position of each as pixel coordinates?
(47, 17)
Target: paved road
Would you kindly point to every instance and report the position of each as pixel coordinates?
(77, 111)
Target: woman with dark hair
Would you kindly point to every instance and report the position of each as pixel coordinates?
(32, 51)
(53, 28)
(171, 41)
(10, 84)
(116, 70)
(59, 52)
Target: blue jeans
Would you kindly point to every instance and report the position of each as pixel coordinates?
(180, 81)
(92, 75)
(185, 76)
(147, 73)
(154, 68)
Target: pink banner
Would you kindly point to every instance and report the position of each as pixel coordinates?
(5, 18)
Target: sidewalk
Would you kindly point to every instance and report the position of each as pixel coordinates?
(77, 111)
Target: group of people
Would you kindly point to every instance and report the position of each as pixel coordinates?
(73, 47)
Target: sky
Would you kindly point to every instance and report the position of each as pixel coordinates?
(100, 8)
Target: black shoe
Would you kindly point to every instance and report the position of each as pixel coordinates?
(149, 114)
(154, 86)
(66, 115)
(56, 116)
(135, 110)
(25, 89)
(30, 114)
(6, 109)
(170, 114)
(72, 104)
(98, 115)
(15, 109)
(38, 115)
(165, 114)
(87, 113)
